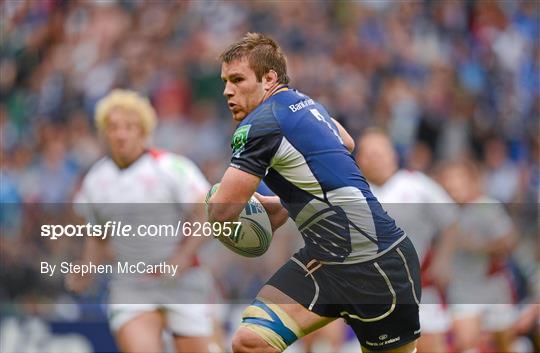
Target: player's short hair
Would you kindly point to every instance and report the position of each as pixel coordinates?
(375, 130)
(263, 55)
(128, 100)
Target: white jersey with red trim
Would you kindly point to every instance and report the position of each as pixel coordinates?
(422, 209)
(429, 208)
(158, 189)
(480, 277)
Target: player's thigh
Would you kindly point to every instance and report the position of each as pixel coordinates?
(333, 334)
(504, 340)
(192, 327)
(307, 320)
(467, 324)
(435, 321)
(141, 333)
(499, 317)
(432, 343)
(196, 345)
(190, 320)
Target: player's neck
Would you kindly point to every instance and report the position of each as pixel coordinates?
(124, 162)
(276, 88)
(475, 196)
(383, 179)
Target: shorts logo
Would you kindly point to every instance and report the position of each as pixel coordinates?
(239, 140)
(384, 341)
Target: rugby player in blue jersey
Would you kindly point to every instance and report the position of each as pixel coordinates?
(356, 263)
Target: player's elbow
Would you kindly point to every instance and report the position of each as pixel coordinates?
(349, 143)
(511, 241)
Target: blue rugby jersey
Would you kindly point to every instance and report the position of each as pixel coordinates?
(292, 143)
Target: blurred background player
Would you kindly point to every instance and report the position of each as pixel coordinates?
(136, 185)
(331, 337)
(428, 215)
(481, 292)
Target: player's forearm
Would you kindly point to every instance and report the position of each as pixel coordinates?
(234, 192)
(502, 245)
(447, 244)
(189, 247)
(95, 250)
(223, 212)
(441, 269)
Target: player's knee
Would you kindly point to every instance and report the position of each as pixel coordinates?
(246, 341)
(266, 325)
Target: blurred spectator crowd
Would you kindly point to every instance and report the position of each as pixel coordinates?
(444, 78)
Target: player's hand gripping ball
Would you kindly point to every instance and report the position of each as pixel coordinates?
(253, 236)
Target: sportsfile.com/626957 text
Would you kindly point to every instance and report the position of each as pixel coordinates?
(120, 229)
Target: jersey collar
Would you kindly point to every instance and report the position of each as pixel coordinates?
(279, 89)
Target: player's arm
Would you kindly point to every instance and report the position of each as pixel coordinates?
(95, 250)
(504, 230)
(347, 139)
(186, 252)
(499, 247)
(233, 194)
(255, 144)
(440, 270)
(502, 245)
(500, 227)
(440, 209)
(189, 187)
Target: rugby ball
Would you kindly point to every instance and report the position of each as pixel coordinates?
(254, 235)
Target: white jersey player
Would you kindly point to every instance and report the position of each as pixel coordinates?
(426, 213)
(140, 187)
(481, 292)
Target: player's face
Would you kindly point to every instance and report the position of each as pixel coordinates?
(242, 90)
(124, 134)
(376, 158)
(457, 183)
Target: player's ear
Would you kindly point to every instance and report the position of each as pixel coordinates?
(270, 79)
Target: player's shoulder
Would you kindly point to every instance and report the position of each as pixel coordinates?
(261, 118)
(412, 178)
(485, 205)
(488, 208)
(171, 162)
(424, 185)
(285, 104)
(489, 204)
(260, 123)
(93, 178)
(101, 166)
(419, 177)
(485, 199)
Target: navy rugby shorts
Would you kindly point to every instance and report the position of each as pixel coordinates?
(377, 298)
